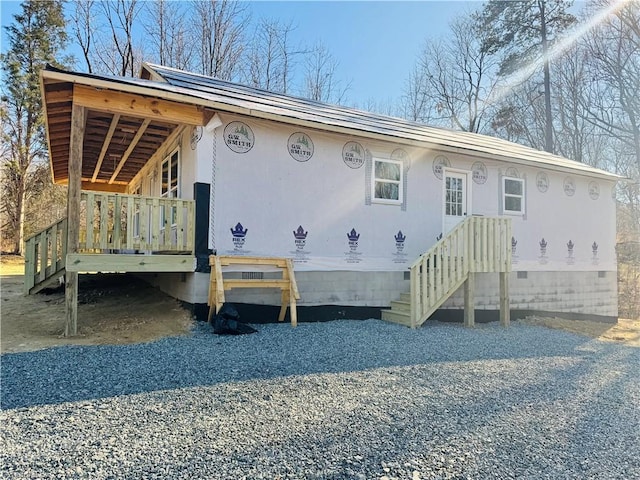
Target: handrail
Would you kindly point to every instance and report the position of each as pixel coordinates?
(477, 244)
(45, 254)
(111, 221)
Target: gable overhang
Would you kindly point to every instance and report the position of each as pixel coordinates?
(124, 126)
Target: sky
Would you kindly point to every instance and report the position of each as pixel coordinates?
(376, 43)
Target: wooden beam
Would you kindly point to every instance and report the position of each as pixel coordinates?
(132, 145)
(73, 217)
(133, 105)
(99, 262)
(105, 145)
(469, 300)
(103, 186)
(505, 312)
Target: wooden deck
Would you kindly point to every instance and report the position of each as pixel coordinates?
(117, 233)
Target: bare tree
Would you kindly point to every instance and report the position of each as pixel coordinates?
(169, 35)
(454, 80)
(116, 52)
(83, 27)
(320, 81)
(221, 26)
(612, 102)
(576, 137)
(271, 57)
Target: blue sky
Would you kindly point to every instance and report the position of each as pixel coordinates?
(376, 43)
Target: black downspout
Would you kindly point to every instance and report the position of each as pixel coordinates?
(201, 194)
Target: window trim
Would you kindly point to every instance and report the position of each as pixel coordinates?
(522, 197)
(400, 182)
(167, 160)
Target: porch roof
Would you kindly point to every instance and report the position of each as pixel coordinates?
(206, 95)
(123, 128)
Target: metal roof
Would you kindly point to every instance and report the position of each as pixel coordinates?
(361, 122)
(223, 96)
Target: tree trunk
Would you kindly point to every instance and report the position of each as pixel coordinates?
(548, 127)
(20, 208)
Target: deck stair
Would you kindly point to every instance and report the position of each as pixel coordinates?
(477, 244)
(45, 254)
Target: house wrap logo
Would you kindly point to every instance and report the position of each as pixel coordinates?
(399, 256)
(479, 173)
(594, 254)
(570, 257)
(238, 235)
(300, 255)
(300, 237)
(400, 238)
(543, 251)
(439, 163)
(353, 238)
(542, 182)
(353, 256)
(300, 146)
(353, 154)
(514, 250)
(402, 156)
(594, 190)
(569, 186)
(239, 137)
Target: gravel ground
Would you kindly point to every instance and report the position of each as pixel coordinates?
(336, 400)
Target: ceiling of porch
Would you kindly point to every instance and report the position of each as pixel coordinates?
(122, 131)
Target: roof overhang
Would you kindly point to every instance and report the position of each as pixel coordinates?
(125, 126)
(153, 107)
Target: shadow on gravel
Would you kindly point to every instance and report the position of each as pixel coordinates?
(69, 374)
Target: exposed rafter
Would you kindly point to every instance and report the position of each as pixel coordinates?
(105, 145)
(132, 145)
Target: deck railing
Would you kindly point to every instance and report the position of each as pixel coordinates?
(111, 223)
(135, 224)
(44, 254)
(478, 244)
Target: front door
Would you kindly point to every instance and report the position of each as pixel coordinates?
(456, 198)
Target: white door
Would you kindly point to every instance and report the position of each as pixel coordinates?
(456, 199)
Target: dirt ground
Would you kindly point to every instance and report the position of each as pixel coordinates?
(119, 309)
(112, 309)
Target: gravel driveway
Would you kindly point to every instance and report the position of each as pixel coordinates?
(336, 400)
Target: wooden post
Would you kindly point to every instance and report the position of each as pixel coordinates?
(469, 300)
(73, 217)
(505, 315)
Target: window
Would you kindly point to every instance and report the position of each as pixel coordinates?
(170, 168)
(170, 172)
(512, 195)
(387, 181)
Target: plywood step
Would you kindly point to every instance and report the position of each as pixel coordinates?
(405, 297)
(397, 317)
(403, 306)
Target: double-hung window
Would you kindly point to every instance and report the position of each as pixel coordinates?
(513, 195)
(170, 173)
(387, 181)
